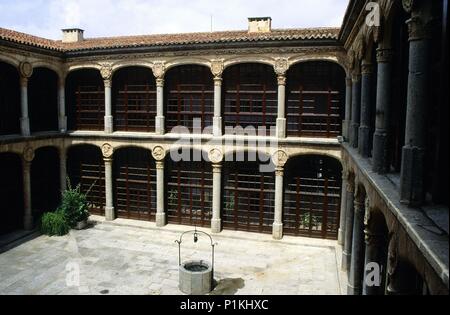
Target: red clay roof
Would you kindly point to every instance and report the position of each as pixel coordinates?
(170, 39)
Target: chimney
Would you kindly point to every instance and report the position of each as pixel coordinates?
(72, 35)
(260, 25)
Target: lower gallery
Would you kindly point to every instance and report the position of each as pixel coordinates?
(326, 133)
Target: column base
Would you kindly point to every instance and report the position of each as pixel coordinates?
(25, 127)
(28, 223)
(216, 226)
(217, 126)
(109, 124)
(345, 130)
(281, 128)
(346, 260)
(380, 152)
(110, 214)
(161, 219)
(354, 132)
(277, 231)
(364, 141)
(341, 236)
(412, 176)
(62, 122)
(351, 290)
(159, 125)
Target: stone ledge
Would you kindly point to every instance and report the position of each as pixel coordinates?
(434, 247)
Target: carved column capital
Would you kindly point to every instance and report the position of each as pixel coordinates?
(366, 68)
(385, 55)
(217, 67)
(218, 81)
(279, 171)
(281, 80)
(107, 83)
(23, 82)
(348, 81)
(281, 66)
(217, 168)
(160, 165)
(160, 82)
(106, 72)
(418, 28)
(159, 69)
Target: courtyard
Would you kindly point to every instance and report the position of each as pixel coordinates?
(130, 257)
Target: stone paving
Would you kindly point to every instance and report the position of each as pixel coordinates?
(129, 257)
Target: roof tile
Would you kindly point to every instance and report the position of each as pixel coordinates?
(170, 39)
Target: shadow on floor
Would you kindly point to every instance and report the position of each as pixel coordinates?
(228, 286)
(16, 238)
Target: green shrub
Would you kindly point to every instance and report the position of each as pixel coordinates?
(74, 205)
(54, 224)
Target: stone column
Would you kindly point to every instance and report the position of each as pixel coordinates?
(26, 71)
(217, 120)
(216, 221)
(354, 286)
(108, 107)
(279, 190)
(384, 90)
(107, 73)
(161, 219)
(349, 215)
(160, 119)
(281, 120)
(24, 120)
(413, 158)
(374, 254)
(342, 223)
(366, 97)
(63, 169)
(27, 159)
(356, 114)
(62, 118)
(109, 206)
(348, 109)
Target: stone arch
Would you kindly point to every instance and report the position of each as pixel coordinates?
(328, 58)
(189, 95)
(242, 153)
(133, 97)
(84, 88)
(43, 99)
(189, 187)
(131, 64)
(82, 66)
(195, 152)
(312, 196)
(10, 99)
(45, 180)
(312, 151)
(11, 60)
(85, 167)
(57, 68)
(248, 195)
(248, 59)
(187, 61)
(320, 111)
(11, 192)
(134, 183)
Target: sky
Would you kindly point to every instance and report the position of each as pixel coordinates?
(101, 18)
